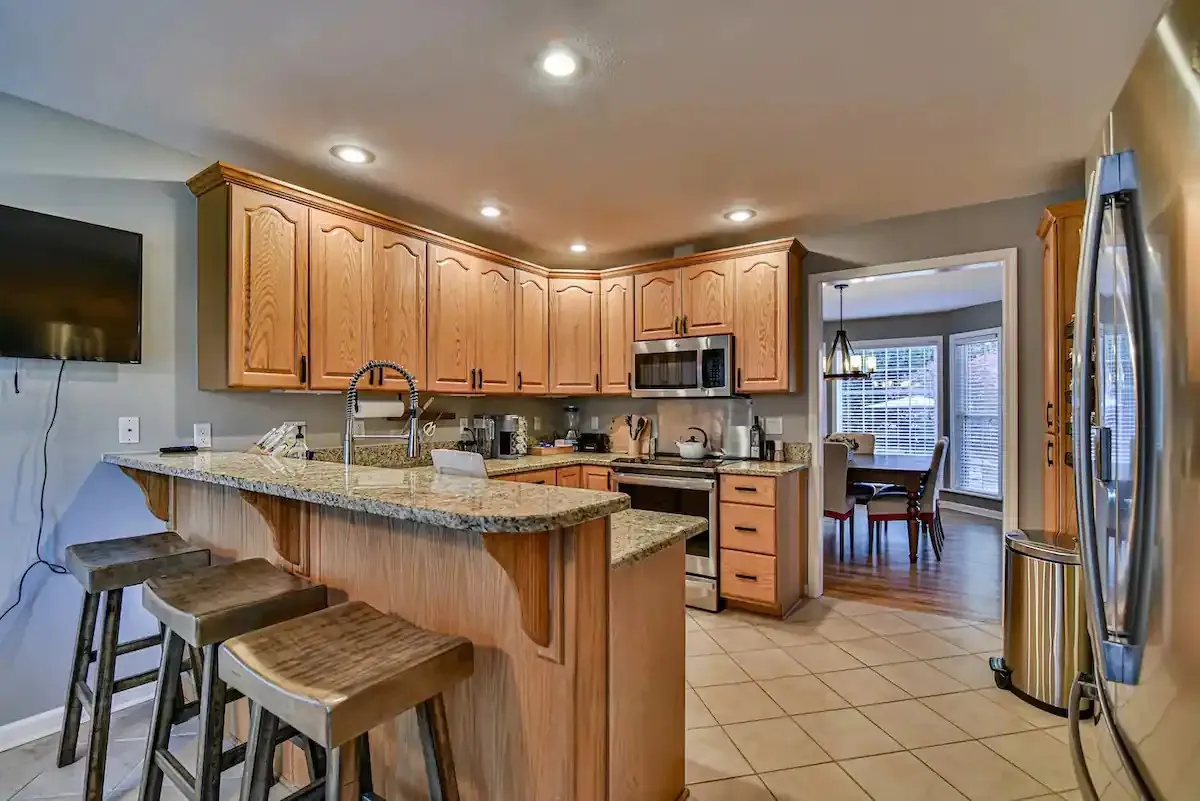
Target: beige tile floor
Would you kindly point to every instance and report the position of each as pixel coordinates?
(850, 701)
(847, 701)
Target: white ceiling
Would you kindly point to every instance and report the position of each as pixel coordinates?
(823, 111)
(919, 292)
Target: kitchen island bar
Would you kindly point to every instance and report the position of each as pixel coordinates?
(579, 661)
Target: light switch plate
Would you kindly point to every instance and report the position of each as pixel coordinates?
(595, 423)
(128, 430)
(202, 435)
(774, 426)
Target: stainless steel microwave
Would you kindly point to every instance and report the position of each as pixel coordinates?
(689, 367)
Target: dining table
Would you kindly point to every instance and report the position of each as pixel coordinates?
(904, 470)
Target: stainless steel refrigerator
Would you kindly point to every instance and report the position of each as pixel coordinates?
(1136, 430)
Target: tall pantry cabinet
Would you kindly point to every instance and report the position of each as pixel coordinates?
(1061, 231)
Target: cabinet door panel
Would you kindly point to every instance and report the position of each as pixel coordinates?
(268, 291)
(339, 264)
(398, 305)
(533, 335)
(597, 478)
(761, 323)
(708, 296)
(574, 336)
(656, 304)
(452, 303)
(495, 352)
(616, 328)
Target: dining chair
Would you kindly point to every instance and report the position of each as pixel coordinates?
(839, 505)
(861, 490)
(893, 505)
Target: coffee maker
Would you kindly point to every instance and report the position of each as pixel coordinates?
(504, 442)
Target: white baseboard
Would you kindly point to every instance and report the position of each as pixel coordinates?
(993, 514)
(49, 722)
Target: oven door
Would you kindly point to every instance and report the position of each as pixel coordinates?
(693, 367)
(681, 496)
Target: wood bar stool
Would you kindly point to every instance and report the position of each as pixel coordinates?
(201, 609)
(106, 568)
(336, 674)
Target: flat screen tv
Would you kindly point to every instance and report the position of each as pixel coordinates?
(69, 289)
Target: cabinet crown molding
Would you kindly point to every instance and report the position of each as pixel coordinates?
(1050, 214)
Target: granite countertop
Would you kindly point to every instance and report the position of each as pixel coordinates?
(637, 534)
(419, 495)
(750, 468)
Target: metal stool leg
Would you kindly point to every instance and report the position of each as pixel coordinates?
(435, 741)
(333, 774)
(165, 698)
(258, 774)
(73, 709)
(212, 728)
(106, 666)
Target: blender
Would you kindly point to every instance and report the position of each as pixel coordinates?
(572, 423)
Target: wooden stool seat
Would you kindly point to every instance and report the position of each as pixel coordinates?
(337, 673)
(212, 604)
(116, 564)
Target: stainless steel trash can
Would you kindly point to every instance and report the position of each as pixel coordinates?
(1046, 641)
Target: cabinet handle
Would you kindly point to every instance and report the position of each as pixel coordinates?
(597, 382)
(520, 383)
(745, 577)
(472, 378)
(1050, 454)
(746, 489)
(744, 528)
(381, 376)
(481, 378)
(676, 325)
(739, 378)
(1049, 414)
(540, 481)
(303, 369)
(685, 323)
(629, 381)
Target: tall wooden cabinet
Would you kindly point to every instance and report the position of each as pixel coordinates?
(616, 331)
(1061, 231)
(767, 322)
(339, 290)
(574, 336)
(471, 328)
(397, 307)
(532, 334)
(495, 333)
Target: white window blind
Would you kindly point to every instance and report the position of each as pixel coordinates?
(899, 402)
(976, 404)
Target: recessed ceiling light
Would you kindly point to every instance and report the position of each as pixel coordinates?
(579, 247)
(352, 154)
(558, 62)
(490, 211)
(740, 215)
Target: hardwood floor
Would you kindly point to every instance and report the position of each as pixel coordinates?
(966, 583)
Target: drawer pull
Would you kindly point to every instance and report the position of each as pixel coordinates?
(744, 528)
(540, 481)
(745, 577)
(746, 489)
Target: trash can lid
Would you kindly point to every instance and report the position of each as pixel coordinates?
(1049, 545)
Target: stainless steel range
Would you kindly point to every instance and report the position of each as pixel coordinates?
(667, 483)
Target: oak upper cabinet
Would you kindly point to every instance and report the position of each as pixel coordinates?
(616, 331)
(707, 298)
(495, 356)
(532, 335)
(397, 305)
(452, 316)
(574, 336)
(657, 304)
(767, 288)
(339, 266)
(253, 264)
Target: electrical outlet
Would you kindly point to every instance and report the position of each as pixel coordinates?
(464, 424)
(202, 435)
(773, 426)
(537, 424)
(360, 428)
(128, 430)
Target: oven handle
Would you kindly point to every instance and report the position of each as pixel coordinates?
(706, 484)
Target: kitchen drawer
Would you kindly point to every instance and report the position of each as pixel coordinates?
(758, 490)
(570, 476)
(749, 576)
(533, 477)
(748, 528)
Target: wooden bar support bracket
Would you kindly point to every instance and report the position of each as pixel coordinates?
(288, 521)
(157, 490)
(533, 563)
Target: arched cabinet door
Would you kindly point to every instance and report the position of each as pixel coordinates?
(495, 337)
(398, 270)
(532, 334)
(616, 331)
(339, 267)
(656, 304)
(708, 298)
(761, 324)
(452, 304)
(574, 336)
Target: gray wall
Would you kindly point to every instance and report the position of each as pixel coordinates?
(939, 324)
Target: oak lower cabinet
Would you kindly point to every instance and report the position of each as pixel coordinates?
(569, 476)
(574, 336)
(597, 478)
(616, 332)
(471, 328)
(768, 322)
(764, 545)
(657, 304)
(252, 283)
(532, 334)
(1060, 230)
(547, 476)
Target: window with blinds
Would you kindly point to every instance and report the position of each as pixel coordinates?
(899, 402)
(976, 404)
